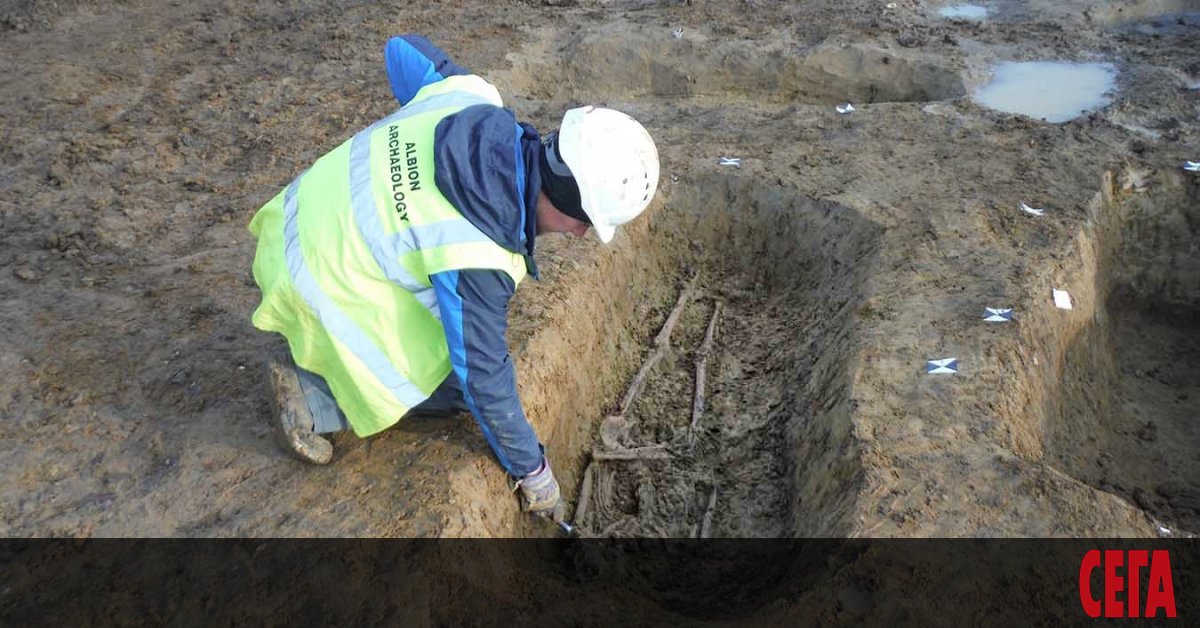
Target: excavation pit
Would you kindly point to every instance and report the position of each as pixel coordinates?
(773, 440)
(619, 62)
(1123, 413)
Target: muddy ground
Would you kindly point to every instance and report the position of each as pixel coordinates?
(846, 251)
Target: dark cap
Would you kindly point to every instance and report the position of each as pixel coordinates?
(557, 181)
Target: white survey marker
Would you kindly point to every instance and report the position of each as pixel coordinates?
(1031, 210)
(730, 161)
(945, 366)
(677, 33)
(1062, 300)
(1191, 166)
(997, 315)
(846, 108)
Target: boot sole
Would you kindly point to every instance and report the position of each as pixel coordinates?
(287, 406)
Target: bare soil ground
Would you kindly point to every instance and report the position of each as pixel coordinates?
(138, 140)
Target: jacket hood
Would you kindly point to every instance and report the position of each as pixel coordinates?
(486, 166)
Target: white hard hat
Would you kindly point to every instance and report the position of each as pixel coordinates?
(614, 162)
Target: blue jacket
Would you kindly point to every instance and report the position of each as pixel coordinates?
(486, 166)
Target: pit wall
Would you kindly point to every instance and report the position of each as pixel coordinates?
(815, 257)
(1062, 406)
(1035, 366)
(1114, 421)
(577, 337)
(599, 308)
(1151, 244)
(625, 61)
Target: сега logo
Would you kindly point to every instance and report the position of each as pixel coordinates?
(1159, 595)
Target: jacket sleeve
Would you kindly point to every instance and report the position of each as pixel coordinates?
(413, 62)
(474, 309)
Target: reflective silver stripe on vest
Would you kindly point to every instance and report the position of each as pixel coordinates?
(333, 318)
(387, 250)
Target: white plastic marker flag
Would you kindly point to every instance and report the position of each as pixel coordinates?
(1032, 211)
(1062, 300)
(677, 33)
(1191, 166)
(946, 366)
(997, 315)
(730, 161)
(846, 108)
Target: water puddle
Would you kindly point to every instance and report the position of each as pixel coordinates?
(963, 12)
(1053, 91)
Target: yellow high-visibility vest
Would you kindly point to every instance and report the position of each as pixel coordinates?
(345, 252)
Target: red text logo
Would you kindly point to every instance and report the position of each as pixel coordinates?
(1121, 574)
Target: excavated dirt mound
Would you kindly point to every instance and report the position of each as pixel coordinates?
(843, 251)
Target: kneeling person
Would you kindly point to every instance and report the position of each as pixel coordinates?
(388, 265)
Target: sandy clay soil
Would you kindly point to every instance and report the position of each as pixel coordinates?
(844, 252)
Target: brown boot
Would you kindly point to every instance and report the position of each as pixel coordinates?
(293, 421)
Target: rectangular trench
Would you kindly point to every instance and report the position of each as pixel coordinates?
(775, 441)
(1121, 413)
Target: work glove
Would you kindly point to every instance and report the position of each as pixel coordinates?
(540, 495)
